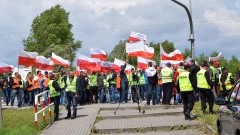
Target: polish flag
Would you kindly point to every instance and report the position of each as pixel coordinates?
(97, 53)
(5, 68)
(174, 57)
(136, 49)
(57, 60)
(118, 63)
(217, 58)
(136, 36)
(43, 63)
(106, 66)
(27, 58)
(89, 64)
(142, 63)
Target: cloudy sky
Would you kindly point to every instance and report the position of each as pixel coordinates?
(102, 23)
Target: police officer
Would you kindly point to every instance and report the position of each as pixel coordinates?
(55, 93)
(204, 85)
(71, 95)
(226, 83)
(187, 85)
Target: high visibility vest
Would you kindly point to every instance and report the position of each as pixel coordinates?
(113, 81)
(184, 82)
(71, 86)
(129, 77)
(37, 83)
(16, 83)
(106, 84)
(21, 86)
(141, 79)
(61, 81)
(46, 80)
(201, 80)
(53, 92)
(167, 75)
(118, 84)
(180, 70)
(227, 82)
(93, 80)
(30, 82)
(214, 70)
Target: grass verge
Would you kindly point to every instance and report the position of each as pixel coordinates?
(206, 119)
(21, 121)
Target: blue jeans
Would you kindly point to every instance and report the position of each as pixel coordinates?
(31, 97)
(143, 90)
(16, 92)
(7, 95)
(112, 91)
(158, 94)
(151, 91)
(71, 101)
(101, 94)
(63, 100)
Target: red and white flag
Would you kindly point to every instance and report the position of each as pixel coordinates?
(136, 36)
(217, 58)
(106, 66)
(5, 68)
(97, 53)
(89, 64)
(142, 63)
(27, 58)
(57, 60)
(118, 63)
(136, 49)
(174, 57)
(43, 63)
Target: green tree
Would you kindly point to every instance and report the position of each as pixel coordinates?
(119, 51)
(187, 52)
(201, 58)
(234, 64)
(51, 32)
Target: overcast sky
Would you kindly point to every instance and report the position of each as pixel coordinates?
(102, 23)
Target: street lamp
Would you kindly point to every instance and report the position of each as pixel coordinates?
(191, 38)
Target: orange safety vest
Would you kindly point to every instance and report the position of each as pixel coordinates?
(46, 80)
(16, 83)
(30, 82)
(118, 84)
(37, 83)
(159, 81)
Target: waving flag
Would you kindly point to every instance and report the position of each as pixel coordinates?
(57, 60)
(135, 37)
(136, 49)
(97, 53)
(27, 58)
(142, 63)
(106, 66)
(5, 68)
(89, 64)
(174, 57)
(118, 63)
(217, 58)
(43, 63)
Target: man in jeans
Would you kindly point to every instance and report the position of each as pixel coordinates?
(16, 89)
(151, 73)
(113, 90)
(101, 88)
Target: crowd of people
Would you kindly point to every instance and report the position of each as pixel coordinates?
(184, 83)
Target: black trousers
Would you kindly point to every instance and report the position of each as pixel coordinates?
(206, 95)
(94, 94)
(188, 100)
(167, 92)
(56, 101)
(223, 93)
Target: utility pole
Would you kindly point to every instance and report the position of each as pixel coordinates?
(191, 37)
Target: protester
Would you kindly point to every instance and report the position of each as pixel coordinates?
(159, 86)
(93, 88)
(30, 89)
(112, 78)
(16, 89)
(101, 87)
(7, 88)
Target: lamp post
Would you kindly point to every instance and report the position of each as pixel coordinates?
(191, 37)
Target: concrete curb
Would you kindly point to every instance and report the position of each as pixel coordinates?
(149, 107)
(140, 115)
(147, 129)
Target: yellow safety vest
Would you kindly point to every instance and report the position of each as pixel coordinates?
(53, 92)
(167, 75)
(227, 82)
(201, 80)
(71, 86)
(184, 82)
